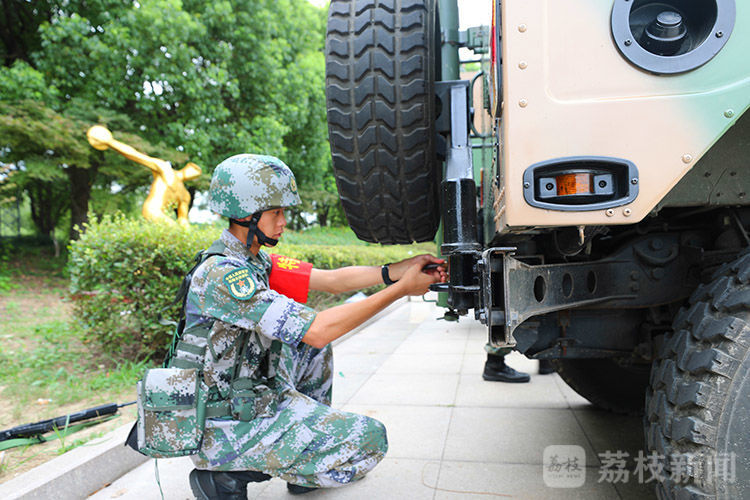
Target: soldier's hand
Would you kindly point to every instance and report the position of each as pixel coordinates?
(398, 269)
(416, 279)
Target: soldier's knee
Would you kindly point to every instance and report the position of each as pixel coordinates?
(377, 437)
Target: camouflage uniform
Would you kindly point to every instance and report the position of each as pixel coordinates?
(255, 333)
(497, 351)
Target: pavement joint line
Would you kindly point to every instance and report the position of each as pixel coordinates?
(586, 435)
(450, 418)
(488, 462)
(381, 315)
(461, 407)
(392, 308)
(558, 379)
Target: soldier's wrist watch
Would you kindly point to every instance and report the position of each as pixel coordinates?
(384, 273)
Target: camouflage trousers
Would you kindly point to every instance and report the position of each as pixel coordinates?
(497, 351)
(305, 442)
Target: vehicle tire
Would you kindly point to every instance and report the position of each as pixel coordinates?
(380, 79)
(607, 383)
(698, 406)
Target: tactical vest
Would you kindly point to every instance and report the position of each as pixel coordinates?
(175, 400)
(245, 395)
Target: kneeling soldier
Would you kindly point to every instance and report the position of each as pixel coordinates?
(266, 358)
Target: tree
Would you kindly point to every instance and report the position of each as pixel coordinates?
(57, 165)
(210, 78)
(200, 80)
(19, 27)
(39, 141)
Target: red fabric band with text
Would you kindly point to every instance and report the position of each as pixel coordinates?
(290, 277)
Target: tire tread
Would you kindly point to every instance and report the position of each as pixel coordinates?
(380, 118)
(691, 380)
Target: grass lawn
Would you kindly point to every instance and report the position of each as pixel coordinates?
(49, 369)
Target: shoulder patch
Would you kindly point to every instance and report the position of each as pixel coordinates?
(240, 283)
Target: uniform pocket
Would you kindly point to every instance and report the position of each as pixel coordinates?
(251, 400)
(171, 412)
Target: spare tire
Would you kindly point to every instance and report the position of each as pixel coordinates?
(380, 79)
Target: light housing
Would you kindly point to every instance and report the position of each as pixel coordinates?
(580, 183)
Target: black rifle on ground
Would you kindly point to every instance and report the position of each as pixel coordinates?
(39, 428)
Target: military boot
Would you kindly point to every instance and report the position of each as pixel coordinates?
(296, 489)
(545, 367)
(216, 485)
(495, 370)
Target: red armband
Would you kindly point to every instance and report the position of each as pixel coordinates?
(290, 277)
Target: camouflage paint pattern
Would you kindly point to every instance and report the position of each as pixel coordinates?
(244, 184)
(567, 91)
(278, 390)
(170, 412)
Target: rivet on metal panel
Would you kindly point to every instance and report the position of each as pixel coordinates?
(628, 42)
(526, 185)
(610, 212)
(719, 34)
(634, 181)
(627, 212)
(523, 64)
(523, 103)
(522, 28)
(687, 158)
(729, 113)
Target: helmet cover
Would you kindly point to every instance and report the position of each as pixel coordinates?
(245, 184)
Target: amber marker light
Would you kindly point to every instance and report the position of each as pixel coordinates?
(570, 184)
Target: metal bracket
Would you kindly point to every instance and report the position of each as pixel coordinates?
(489, 315)
(454, 119)
(525, 290)
(476, 38)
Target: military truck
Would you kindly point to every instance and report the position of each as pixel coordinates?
(600, 221)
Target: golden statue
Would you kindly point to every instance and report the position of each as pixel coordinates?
(167, 188)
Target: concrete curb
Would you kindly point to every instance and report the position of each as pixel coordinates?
(86, 469)
(79, 472)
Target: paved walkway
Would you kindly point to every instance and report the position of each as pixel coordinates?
(451, 434)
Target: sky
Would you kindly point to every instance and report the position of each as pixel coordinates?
(474, 13)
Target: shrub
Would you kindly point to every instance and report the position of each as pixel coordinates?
(124, 272)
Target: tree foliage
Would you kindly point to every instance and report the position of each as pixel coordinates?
(186, 80)
(19, 26)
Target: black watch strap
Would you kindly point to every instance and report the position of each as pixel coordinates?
(384, 272)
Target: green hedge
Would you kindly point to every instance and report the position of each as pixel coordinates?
(124, 272)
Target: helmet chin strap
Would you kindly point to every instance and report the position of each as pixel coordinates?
(252, 226)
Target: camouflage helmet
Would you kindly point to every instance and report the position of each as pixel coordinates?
(245, 184)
